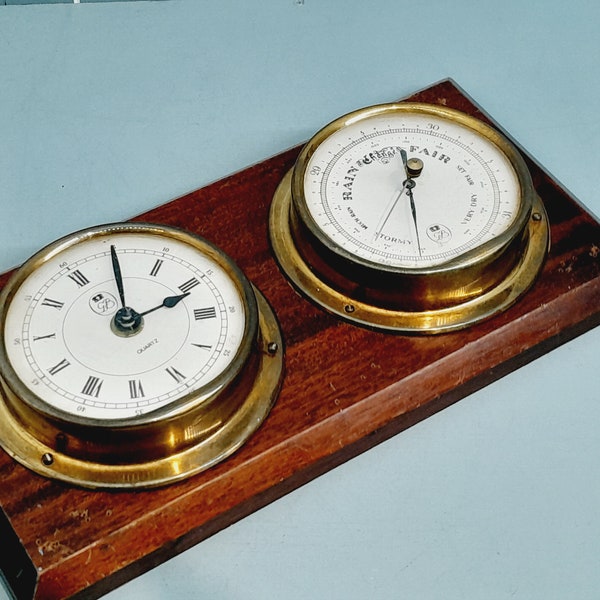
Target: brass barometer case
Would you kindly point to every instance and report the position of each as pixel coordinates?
(133, 355)
(411, 218)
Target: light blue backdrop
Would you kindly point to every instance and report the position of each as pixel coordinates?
(109, 109)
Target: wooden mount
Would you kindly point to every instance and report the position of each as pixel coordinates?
(346, 389)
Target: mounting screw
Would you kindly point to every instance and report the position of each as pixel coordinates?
(272, 348)
(349, 308)
(47, 459)
(536, 216)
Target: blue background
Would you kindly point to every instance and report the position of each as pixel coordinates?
(109, 109)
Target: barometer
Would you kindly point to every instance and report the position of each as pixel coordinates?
(409, 217)
(133, 355)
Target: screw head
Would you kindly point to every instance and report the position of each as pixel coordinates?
(47, 459)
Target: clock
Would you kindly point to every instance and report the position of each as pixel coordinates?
(133, 355)
(410, 217)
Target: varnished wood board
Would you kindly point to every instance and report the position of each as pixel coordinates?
(346, 389)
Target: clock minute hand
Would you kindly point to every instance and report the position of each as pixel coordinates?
(168, 302)
(117, 273)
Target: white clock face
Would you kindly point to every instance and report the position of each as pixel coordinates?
(66, 343)
(355, 192)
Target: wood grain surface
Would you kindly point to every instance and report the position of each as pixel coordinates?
(345, 389)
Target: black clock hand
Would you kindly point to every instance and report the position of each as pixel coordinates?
(413, 210)
(412, 170)
(117, 273)
(128, 322)
(168, 302)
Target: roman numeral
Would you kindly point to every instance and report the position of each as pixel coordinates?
(205, 313)
(203, 346)
(156, 267)
(188, 285)
(175, 374)
(135, 389)
(63, 364)
(52, 303)
(44, 337)
(79, 278)
(92, 386)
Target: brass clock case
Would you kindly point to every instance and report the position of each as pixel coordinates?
(460, 292)
(161, 446)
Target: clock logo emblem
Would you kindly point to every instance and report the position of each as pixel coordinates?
(103, 303)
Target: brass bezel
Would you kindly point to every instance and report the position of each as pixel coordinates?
(164, 445)
(466, 259)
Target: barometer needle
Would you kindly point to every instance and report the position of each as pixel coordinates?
(408, 185)
(389, 209)
(413, 210)
(411, 185)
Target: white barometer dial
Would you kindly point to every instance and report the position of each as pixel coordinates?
(139, 334)
(398, 210)
(359, 191)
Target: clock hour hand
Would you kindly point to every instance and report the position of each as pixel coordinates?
(168, 302)
(117, 273)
